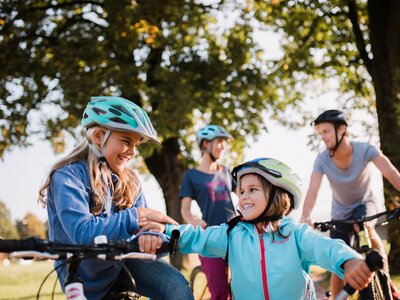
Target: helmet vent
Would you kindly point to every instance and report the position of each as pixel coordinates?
(118, 120)
(99, 111)
(124, 110)
(115, 111)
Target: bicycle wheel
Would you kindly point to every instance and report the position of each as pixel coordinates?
(198, 284)
(378, 289)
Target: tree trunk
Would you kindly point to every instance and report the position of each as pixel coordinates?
(167, 166)
(385, 73)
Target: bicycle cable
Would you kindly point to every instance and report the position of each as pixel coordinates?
(45, 279)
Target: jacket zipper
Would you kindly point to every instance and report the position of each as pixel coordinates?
(263, 266)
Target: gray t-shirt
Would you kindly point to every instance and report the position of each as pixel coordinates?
(352, 186)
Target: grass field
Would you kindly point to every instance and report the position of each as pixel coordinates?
(23, 281)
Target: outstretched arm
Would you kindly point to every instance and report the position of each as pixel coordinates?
(188, 217)
(388, 170)
(147, 214)
(311, 197)
(357, 273)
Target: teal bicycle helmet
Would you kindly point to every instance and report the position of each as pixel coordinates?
(117, 113)
(274, 171)
(211, 132)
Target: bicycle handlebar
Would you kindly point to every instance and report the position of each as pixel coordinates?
(118, 250)
(391, 215)
(374, 262)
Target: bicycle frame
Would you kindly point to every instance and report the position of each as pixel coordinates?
(374, 259)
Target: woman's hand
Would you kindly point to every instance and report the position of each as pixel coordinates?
(153, 226)
(307, 220)
(357, 273)
(147, 214)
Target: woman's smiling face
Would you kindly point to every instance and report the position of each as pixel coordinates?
(120, 149)
(252, 197)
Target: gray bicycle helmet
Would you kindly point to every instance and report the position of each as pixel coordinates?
(120, 114)
(275, 172)
(211, 132)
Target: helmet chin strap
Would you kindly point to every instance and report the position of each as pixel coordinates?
(209, 152)
(338, 142)
(100, 154)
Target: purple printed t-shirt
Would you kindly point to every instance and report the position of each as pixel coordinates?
(212, 193)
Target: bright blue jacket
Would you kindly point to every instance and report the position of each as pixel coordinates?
(286, 260)
(71, 222)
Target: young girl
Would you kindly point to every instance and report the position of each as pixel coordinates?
(270, 254)
(210, 185)
(91, 192)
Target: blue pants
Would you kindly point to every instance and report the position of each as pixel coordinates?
(154, 279)
(345, 231)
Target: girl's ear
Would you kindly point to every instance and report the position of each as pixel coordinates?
(98, 136)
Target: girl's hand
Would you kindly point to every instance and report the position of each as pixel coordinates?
(198, 222)
(357, 273)
(147, 214)
(149, 243)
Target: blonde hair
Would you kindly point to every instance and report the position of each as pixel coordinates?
(124, 192)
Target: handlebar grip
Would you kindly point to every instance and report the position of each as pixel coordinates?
(374, 261)
(21, 245)
(174, 241)
(348, 289)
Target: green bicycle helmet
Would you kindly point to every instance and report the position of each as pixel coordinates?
(211, 132)
(117, 113)
(274, 171)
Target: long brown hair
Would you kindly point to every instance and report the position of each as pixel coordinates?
(124, 192)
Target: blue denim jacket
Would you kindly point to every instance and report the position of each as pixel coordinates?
(70, 221)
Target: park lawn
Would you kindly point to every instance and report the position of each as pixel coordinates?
(22, 281)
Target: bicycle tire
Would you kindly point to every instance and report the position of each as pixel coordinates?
(378, 289)
(198, 284)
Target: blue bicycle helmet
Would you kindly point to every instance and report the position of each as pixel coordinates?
(211, 132)
(120, 114)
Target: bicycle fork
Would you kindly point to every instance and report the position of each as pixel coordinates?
(73, 283)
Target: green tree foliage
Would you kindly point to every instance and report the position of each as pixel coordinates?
(31, 226)
(358, 44)
(7, 228)
(187, 63)
(176, 59)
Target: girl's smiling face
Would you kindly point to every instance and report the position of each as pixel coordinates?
(252, 197)
(120, 149)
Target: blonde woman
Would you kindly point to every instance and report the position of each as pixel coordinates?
(92, 192)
